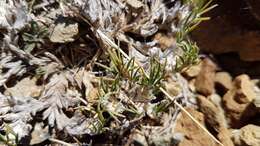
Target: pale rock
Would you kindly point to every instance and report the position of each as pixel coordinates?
(64, 32)
(248, 135)
(245, 89)
(216, 119)
(216, 99)
(213, 115)
(204, 83)
(25, 88)
(257, 91)
(224, 79)
(238, 101)
(193, 135)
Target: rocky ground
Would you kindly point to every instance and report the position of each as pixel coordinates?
(227, 82)
(128, 72)
(227, 106)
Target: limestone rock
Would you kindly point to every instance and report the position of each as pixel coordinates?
(257, 99)
(248, 135)
(257, 102)
(224, 137)
(193, 135)
(238, 101)
(233, 109)
(224, 80)
(205, 80)
(215, 99)
(25, 88)
(245, 89)
(213, 116)
(216, 119)
(64, 31)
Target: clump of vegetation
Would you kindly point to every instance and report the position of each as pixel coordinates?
(123, 84)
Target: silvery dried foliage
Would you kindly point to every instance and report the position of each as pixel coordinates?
(14, 17)
(20, 111)
(127, 21)
(56, 97)
(13, 14)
